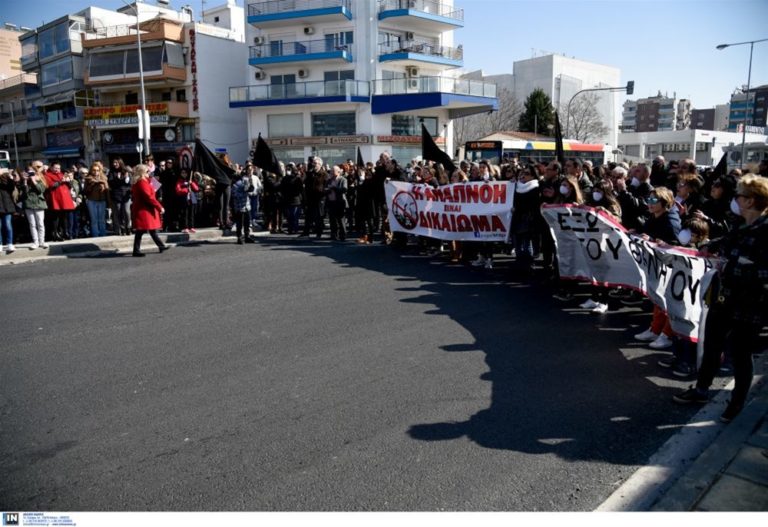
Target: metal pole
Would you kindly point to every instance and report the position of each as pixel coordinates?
(15, 146)
(141, 80)
(568, 109)
(746, 107)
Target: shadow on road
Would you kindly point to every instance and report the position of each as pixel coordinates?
(564, 381)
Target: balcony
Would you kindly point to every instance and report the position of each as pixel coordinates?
(278, 13)
(168, 74)
(311, 92)
(461, 97)
(126, 34)
(421, 15)
(304, 51)
(413, 53)
(18, 80)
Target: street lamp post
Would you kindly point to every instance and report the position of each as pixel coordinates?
(746, 93)
(145, 131)
(629, 89)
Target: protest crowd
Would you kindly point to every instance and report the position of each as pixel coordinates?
(673, 204)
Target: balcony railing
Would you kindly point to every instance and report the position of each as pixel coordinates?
(306, 47)
(422, 48)
(24, 78)
(299, 90)
(287, 6)
(433, 85)
(425, 6)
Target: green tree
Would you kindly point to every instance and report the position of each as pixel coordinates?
(538, 114)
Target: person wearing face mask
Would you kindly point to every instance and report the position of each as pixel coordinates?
(639, 185)
(738, 306)
(526, 216)
(716, 211)
(568, 193)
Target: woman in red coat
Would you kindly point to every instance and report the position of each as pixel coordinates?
(145, 211)
(59, 198)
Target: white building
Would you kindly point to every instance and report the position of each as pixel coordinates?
(703, 146)
(328, 76)
(562, 77)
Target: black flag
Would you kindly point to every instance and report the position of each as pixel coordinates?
(431, 152)
(360, 162)
(722, 167)
(264, 157)
(559, 149)
(205, 162)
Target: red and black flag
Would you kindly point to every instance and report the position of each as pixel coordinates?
(205, 162)
(431, 152)
(559, 149)
(264, 157)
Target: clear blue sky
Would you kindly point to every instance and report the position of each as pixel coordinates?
(666, 45)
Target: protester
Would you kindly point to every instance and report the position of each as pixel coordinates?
(33, 188)
(291, 187)
(336, 203)
(59, 201)
(366, 205)
(146, 210)
(314, 198)
(7, 210)
(186, 200)
(119, 179)
(96, 190)
(526, 216)
(242, 190)
(739, 296)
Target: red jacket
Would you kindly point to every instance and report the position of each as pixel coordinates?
(182, 191)
(59, 198)
(145, 209)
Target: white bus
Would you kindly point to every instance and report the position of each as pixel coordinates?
(754, 153)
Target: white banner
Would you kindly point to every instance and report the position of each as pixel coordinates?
(594, 246)
(475, 211)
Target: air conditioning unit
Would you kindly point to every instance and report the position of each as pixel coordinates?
(303, 74)
(412, 71)
(309, 30)
(409, 36)
(413, 83)
(259, 41)
(260, 75)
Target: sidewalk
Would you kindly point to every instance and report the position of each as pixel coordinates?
(84, 247)
(708, 465)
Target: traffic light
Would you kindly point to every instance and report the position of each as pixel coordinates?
(630, 87)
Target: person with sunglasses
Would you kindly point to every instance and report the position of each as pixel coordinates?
(738, 306)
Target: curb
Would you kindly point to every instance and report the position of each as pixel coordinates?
(93, 247)
(689, 463)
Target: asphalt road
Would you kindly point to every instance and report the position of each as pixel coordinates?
(301, 375)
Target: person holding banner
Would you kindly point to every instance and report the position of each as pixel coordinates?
(526, 216)
(739, 299)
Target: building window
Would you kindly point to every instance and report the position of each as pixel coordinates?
(339, 75)
(152, 59)
(57, 72)
(285, 125)
(131, 98)
(54, 40)
(181, 95)
(105, 64)
(282, 86)
(165, 96)
(339, 41)
(411, 124)
(336, 156)
(325, 124)
(187, 132)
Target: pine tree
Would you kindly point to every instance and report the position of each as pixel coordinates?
(538, 114)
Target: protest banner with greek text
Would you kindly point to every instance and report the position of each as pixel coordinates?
(474, 211)
(592, 245)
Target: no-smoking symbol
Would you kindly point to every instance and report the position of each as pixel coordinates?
(405, 210)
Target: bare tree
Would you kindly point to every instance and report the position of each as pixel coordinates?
(584, 122)
(479, 125)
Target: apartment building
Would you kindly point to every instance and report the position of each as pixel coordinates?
(325, 77)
